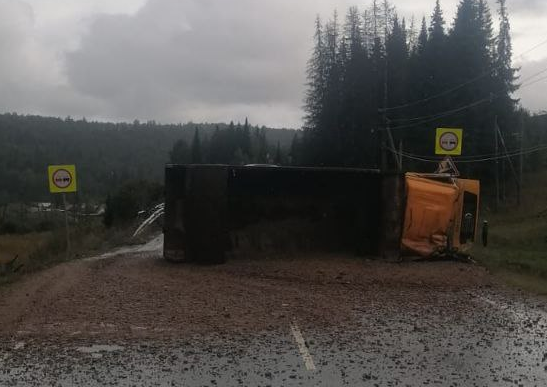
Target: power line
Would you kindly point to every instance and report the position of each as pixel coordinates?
(433, 117)
(451, 90)
(534, 75)
(444, 114)
(479, 159)
(533, 83)
(532, 49)
(439, 115)
(446, 92)
(484, 157)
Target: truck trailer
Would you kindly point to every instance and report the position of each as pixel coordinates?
(214, 212)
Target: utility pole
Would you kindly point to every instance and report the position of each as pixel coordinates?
(521, 157)
(386, 120)
(496, 147)
(400, 155)
(387, 123)
(509, 161)
(66, 227)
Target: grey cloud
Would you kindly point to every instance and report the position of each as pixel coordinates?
(526, 6)
(174, 58)
(30, 78)
(532, 97)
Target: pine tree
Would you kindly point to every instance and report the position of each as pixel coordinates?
(436, 30)
(471, 56)
(278, 160)
(435, 57)
(295, 151)
(180, 154)
(397, 56)
(197, 157)
(506, 74)
(316, 80)
(246, 138)
(412, 35)
(422, 38)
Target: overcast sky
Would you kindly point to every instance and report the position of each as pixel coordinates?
(190, 60)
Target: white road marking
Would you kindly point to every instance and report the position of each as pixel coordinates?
(304, 352)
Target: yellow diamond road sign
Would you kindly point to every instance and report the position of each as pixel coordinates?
(449, 142)
(62, 178)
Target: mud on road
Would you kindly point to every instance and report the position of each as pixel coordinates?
(130, 318)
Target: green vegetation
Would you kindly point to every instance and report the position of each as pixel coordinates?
(517, 246)
(133, 197)
(106, 155)
(373, 69)
(38, 239)
(37, 251)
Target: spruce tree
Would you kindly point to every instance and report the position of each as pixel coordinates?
(180, 154)
(435, 58)
(246, 138)
(422, 38)
(278, 157)
(397, 56)
(506, 74)
(316, 84)
(197, 157)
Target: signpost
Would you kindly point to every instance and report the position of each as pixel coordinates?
(62, 179)
(448, 142)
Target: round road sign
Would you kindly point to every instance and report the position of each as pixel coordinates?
(449, 141)
(61, 178)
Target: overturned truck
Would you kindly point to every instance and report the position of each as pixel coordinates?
(213, 212)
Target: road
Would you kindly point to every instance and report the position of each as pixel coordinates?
(129, 318)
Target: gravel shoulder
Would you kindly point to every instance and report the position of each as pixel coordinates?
(136, 294)
(130, 318)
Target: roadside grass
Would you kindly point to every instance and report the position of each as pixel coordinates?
(517, 243)
(20, 248)
(38, 251)
(525, 269)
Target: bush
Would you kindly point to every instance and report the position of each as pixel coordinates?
(12, 227)
(124, 205)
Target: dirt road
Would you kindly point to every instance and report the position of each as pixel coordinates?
(129, 318)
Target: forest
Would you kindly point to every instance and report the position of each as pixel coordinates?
(379, 86)
(107, 155)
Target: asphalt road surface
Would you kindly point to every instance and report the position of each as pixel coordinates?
(129, 318)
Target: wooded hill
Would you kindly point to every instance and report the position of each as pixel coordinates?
(109, 154)
(372, 70)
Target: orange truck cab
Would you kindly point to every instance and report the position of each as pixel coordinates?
(441, 214)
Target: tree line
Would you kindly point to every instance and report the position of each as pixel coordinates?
(374, 71)
(236, 144)
(107, 155)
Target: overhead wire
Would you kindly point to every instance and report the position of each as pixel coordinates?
(478, 159)
(457, 87)
(442, 114)
(533, 82)
(433, 117)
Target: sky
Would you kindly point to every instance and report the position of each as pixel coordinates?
(193, 60)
